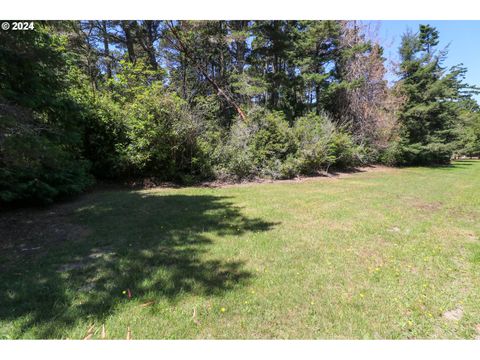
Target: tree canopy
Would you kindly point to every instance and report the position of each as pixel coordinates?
(195, 100)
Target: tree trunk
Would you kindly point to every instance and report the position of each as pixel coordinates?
(127, 29)
(106, 49)
(149, 44)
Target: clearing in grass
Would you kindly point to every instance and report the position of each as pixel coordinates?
(389, 254)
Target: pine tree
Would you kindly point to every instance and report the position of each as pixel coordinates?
(428, 116)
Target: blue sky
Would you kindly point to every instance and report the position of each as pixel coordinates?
(462, 37)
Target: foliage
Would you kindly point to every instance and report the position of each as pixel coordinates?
(41, 132)
(162, 135)
(467, 129)
(429, 114)
(315, 149)
(186, 101)
(257, 147)
(267, 146)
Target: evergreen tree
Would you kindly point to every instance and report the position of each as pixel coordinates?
(428, 116)
(316, 52)
(467, 129)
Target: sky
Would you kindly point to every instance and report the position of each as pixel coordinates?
(461, 36)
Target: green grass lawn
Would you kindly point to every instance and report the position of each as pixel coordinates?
(376, 254)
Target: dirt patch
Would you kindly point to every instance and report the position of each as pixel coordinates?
(420, 204)
(471, 237)
(152, 183)
(453, 315)
(300, 179)
(433, 206)
(96, 254)
(31, 232)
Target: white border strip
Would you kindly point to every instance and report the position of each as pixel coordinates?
(241, 350)
(239, 9)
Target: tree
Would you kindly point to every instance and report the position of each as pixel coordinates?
(317, 50)
(428, 116)
(362, 98)
(180, 38)
(467, 129)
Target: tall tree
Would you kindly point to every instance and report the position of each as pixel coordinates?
(316, 54)
(363, 99)
(428, 116)
(183, 37)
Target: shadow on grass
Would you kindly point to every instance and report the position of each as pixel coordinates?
(156, 246)
(466, 162)
(348, 170)
(455, 164)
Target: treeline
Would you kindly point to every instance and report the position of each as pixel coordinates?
(193, 100)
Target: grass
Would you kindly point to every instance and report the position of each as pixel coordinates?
(381, 254)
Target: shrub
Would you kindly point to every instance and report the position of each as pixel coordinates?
(433, 153)
(233, 159)
(257, 147)
(40, 126)
(35, 168)
(313, 135)
(271, 143)
(391, 154)
(162, 136)
(321, 144)
(346, 152)
(104, 138)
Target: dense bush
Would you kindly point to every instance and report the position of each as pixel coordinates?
(321, 144)
(467, 130)
(266, 146)
(162, 135)
(256, 148)
(270, 144)
(437, 153)
(104, 138)
(34, 168)
(41, 130)
(143, 130)
(314, 136)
